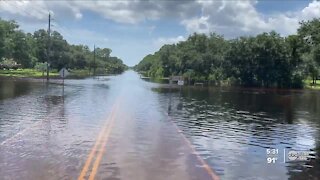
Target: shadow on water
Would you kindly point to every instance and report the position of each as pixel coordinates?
(11, 89)
(233, 127)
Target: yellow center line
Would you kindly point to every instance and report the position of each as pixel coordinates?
(101, 151)
(99, 139)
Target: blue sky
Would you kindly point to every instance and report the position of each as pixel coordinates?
(133, 29)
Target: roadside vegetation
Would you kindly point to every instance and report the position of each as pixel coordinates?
(310, 85)
(264, 60)
(34, 73)
(26, 54)
(25, 73)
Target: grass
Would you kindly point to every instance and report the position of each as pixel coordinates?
(31, 73)
(309, 85)
(81, 73)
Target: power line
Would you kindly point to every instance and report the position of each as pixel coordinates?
(49, 45)
(94, 60)
(20, 8)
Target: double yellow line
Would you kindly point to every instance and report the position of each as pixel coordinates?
(100, 144)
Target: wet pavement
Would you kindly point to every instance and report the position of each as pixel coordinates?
(92, 129)
(121, 127)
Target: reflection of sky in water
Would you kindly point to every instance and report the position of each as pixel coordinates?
(50, 126)
(305, 136)
(233, 129)
(230, 129)
(31, 102)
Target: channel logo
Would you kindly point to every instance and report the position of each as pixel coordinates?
(300, 155)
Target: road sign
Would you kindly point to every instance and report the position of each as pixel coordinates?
(180, 83)
(63, 72)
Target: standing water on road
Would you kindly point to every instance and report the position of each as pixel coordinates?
(47, 131)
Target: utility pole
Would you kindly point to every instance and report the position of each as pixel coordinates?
(49, 43)
(94, 60)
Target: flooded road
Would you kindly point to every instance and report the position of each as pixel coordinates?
(122, 127)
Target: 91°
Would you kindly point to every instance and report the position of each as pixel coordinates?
(272, 160)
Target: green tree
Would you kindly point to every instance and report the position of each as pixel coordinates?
(7, 30)
(41, 45)
(2, 40)
(309, 33)
(21, 49)
(35, 49)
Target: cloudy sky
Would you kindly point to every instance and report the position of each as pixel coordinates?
(133, 29)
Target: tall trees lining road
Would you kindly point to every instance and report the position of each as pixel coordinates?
(265, 60)
(28, 50)
(310, 32)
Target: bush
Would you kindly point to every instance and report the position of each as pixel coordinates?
(41, 67)
(9, 64)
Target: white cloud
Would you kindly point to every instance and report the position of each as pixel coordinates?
(172, 40)
(236, 18)
(200, 25)
(37, 11)
(282, 24)
(231, 18)
(311, 11)
(34, 9)
(138, 11)
(131, 12)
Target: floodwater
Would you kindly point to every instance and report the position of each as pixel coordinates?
(121, 127)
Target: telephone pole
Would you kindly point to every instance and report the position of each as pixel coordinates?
(94, 60)
(49, 43)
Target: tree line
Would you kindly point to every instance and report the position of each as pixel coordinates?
(27, 50)
(264, 60)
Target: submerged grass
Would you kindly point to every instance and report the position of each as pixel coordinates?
(31, 73)
(82, 73)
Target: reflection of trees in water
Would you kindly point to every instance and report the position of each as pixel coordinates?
(54, 102)
(205, 109)
(281, 110)
(282, 105)
(312, 170)
(11, 89)
(311, 104)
